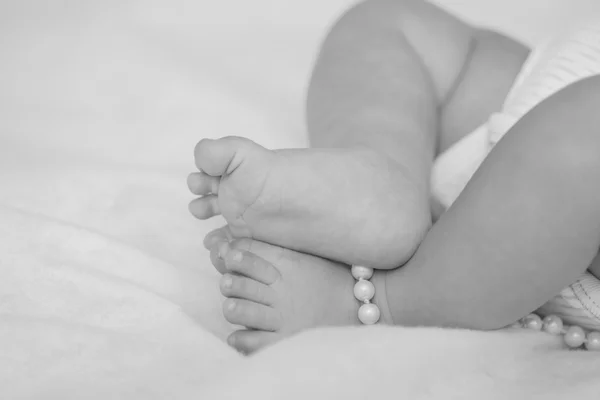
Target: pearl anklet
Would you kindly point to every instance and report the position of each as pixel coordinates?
(574, 336)
(364, 291)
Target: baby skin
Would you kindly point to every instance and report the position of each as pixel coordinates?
(525, 227)
(351, 205)
(470, 271)
(375, 118)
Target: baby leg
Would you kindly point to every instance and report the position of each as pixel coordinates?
(527, 225)
(389, 76)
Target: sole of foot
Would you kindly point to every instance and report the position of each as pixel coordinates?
(350, 205)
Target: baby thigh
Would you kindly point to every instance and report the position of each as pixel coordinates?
(559, 152)
(562, 149)
(526, 226)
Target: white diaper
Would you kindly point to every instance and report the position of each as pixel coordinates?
(561, 61)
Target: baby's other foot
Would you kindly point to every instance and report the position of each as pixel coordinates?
(349, 205)
(275, 293)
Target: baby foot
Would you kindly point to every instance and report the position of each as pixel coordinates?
(275, 293)
(350, 205)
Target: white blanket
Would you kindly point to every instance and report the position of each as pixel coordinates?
(105, 289)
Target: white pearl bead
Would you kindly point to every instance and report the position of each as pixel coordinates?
(574, 337)
(532, 321)
(593, 341)
(360, 272)
(553, 325)
(364, 290)
(368, 314)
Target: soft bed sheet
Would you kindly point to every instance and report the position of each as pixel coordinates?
(105, 289)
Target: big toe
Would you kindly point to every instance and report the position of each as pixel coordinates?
(249, 341)
(222, 156)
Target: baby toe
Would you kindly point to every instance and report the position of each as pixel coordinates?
(219, 157)
(249, 341)
(200, 183)
(252, 266)
(222, 234)
(251, 315)
(205, 207)
(216, 260)
(245, 288)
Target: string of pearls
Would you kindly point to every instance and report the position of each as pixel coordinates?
(574, 336)
(364, 291)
